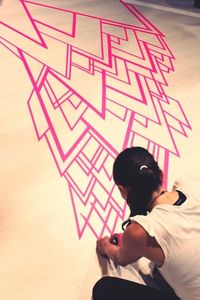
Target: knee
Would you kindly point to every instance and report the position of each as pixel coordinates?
(100, 288)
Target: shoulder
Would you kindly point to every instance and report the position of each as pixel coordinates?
(136, 242)
(135, 234)
(131, 248)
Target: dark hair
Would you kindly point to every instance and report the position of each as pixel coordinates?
(141, 183)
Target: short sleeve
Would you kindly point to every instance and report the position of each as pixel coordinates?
(154, 229)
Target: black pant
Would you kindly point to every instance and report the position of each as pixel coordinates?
(112, 288)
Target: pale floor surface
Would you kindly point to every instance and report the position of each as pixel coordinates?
(186, 5)
(40, 254)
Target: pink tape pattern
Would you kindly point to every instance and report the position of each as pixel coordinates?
(121, 102)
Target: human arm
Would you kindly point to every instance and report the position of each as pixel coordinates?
(130, 250)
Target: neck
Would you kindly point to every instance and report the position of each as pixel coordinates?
(155, 197)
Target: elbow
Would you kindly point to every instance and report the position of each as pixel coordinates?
(124, 261)
(123, 264)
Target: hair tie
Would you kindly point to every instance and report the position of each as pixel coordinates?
(143, 167)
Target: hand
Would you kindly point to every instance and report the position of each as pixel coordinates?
(100, 245)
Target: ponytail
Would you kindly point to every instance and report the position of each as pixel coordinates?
(141, 190)
(136, 169)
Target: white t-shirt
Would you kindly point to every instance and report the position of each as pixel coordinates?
(177, 231)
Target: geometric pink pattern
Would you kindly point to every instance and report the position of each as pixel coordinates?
(96, 100)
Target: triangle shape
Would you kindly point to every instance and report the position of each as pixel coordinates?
(49, 16)
(92, 92)
(35, 67)
(15, 16)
